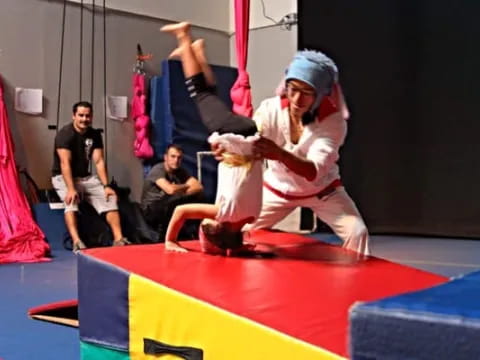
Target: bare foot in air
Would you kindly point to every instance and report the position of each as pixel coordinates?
(178, 29)
(175, 53)
(173, 246)
(198, 46)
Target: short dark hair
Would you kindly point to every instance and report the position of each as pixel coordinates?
(84, 104)
(223, 238)
(173, 146)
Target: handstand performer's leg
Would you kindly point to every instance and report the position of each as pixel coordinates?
(198, 47)
(214, 113)
(190, 65)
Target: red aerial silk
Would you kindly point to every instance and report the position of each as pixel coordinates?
(240, 93)
(21, 240)
(141, 146)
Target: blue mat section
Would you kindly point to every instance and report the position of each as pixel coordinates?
(52, 223)
(442, 322)
(102, 303)
(29, 285)
(175, 118)
(161, 134)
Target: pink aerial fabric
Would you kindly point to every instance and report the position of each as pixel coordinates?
(141, 145)
(240, 93)
(21, 240)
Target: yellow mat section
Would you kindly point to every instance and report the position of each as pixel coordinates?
(162, 314)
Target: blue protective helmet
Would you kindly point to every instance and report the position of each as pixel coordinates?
(315, 69)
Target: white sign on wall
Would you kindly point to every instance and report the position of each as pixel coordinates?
(29, 101)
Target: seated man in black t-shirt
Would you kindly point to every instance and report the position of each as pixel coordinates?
(166, 186)
(77, 146)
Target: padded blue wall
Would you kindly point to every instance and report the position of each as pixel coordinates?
(175, 118)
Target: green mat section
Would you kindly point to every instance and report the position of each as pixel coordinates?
(92, 352)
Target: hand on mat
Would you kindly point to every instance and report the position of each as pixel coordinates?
(268, 149)
(173, 246)
(109, 192)
(71, 197)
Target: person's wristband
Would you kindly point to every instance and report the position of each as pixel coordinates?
(106, 186)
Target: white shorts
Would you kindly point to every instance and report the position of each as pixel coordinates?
(90, 189)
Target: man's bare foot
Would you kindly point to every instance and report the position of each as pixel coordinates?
(178, 29)
(173, 246)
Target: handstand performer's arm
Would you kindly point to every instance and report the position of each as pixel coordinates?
(180, 215)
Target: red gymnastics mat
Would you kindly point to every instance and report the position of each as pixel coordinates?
(305, 291)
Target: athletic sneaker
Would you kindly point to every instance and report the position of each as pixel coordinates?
(79, 245)
(121, 242)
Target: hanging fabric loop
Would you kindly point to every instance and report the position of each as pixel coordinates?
(105, 125)
(141, 146)
(241, 93)
(60, 71)
(92, 55)
(80, 68)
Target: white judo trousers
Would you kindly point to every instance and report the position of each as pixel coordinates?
(337, 210)
(320, 143)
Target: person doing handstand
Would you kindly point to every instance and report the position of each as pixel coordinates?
(239, 190)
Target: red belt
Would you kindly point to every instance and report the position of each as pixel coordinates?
(325, 191)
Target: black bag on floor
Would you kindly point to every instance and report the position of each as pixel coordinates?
(134, 226)
(92, 228)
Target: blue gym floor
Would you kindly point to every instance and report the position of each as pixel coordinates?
(28, 285)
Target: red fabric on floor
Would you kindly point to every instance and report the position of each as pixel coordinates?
(21, 240)
(53, 306)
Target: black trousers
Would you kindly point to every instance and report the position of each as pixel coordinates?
(215, 115)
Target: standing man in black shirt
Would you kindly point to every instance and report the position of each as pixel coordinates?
(166, 186)
(77, 146)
